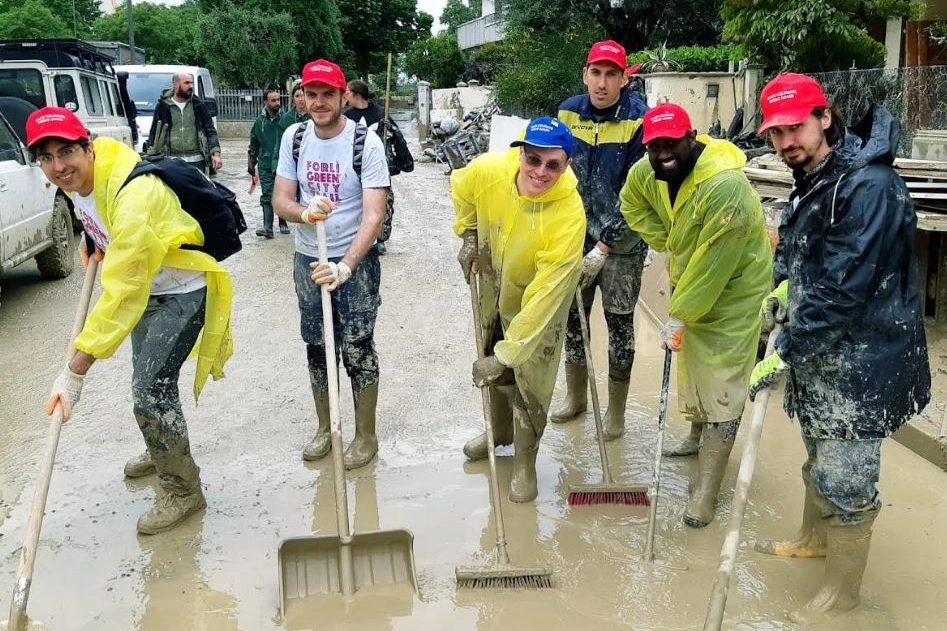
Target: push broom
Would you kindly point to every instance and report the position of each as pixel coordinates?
(607, 491)
(502, 574)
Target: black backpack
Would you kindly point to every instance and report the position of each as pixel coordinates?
(397, 153)
(213, 205)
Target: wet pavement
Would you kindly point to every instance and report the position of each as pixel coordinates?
(219, 571)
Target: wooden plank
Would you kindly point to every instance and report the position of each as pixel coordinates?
(932, 222)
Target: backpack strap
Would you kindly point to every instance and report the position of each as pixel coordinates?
(298, 139)
(358, 148)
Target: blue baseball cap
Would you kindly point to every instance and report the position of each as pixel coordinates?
(547, 132)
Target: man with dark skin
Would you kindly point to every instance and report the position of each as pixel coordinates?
(265, 136)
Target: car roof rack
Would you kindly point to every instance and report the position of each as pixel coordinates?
(57, 53)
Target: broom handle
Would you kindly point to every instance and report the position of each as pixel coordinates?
(387, 91)
(599, 433)
(503, 557)
(24, 574)
(656, 479)
(718, 597)
(346, 563)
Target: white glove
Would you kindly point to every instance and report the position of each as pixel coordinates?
(591, 266)
(333, 274)
(318, 210)
(65, 392)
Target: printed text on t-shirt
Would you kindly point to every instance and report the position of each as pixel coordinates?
(323, 179)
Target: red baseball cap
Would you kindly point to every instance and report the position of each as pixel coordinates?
(666, 121)
(322, 71)
(54, 122)
(608, 51)
(789, 99)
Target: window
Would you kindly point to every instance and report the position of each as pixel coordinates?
(9, 147)
(116, 100)
(107, 104)
(26, 84)
(93, 98)
(66, 92)
(200, 88)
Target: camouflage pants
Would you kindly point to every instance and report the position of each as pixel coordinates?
(161, 341)
(354, 309)
(620, 283)
(843, 473)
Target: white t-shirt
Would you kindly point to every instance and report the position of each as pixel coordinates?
(168, 280)
(325, 168)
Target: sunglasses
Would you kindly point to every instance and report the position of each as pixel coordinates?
(552, 165)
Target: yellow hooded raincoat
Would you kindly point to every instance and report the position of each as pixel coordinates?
(147, 227)
(530, 263)
(720, 270)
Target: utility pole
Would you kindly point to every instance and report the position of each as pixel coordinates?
(131, 29)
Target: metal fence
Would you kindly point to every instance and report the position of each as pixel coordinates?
(244, 105)
(915, 96)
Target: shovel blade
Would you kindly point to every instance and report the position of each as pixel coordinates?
(310, 565)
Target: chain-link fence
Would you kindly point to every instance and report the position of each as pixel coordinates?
(915, 96)
(244, 105)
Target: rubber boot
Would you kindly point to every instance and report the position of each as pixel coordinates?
(577, 400)
(613, 425)
(321, 443)
(845, 559)
(688, 446)
(180, 494)
(139, 466)
(809, 542)
(523, 486)
(501, 412)
(715, 445)
(365, 444)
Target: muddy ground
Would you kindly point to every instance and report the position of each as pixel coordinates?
(218, 572)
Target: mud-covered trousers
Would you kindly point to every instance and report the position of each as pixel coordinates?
(161, 341)
(620, 284)
(354, 309)
(843, 474)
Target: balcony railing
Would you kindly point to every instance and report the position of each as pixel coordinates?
(483, 30)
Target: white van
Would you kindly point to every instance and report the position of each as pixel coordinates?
(146, 81)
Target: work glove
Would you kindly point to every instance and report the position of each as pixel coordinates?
(486, 370)
(767, 373)
(591, 266)
(775, 306)
(65, 392)
(98, 254)
(318, 210)
(672, 335)
(331, 274)
(467, 256)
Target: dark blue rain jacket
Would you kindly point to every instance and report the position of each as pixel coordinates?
(855, 340)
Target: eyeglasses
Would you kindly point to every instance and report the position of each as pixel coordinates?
(64, 154)
(552, 165)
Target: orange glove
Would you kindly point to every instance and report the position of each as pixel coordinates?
(98, 254)
(672, 335)
(318, 210)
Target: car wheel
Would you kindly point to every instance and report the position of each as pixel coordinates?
(58, 260)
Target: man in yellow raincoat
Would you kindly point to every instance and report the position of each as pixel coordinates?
(152, 290)
(522, 223)
(691, 199)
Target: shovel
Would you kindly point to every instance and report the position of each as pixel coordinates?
(345, 562)
(18, 620)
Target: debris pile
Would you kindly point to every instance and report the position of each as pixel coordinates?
(457, 143)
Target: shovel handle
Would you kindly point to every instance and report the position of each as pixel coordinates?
(728, 553)
(656, 476)
(24, 573)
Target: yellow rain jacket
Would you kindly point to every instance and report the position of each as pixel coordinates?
(720, 268)
(147, 227)
(530, 263)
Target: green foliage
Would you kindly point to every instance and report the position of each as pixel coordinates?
(436, 60)
(86, 12)
(169, 35)
(32, 20)
(373, 28)
(240, 48)
(812, 36)
(695, 58)
(456, 12)
(487, 62)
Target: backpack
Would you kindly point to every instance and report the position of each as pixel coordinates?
(358, 150)
(213, 205)
(399, 156)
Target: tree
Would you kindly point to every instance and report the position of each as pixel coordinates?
(456, 12)
(168, 34)
(373, 28)
(86, 12)
(437, 60)
(31, 20)
(241, 49)
(813, 36)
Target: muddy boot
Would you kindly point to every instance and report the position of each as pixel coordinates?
(321, 444)
(139, 466)
(845, 559)
(715, 445)
(523, 480)
(809, 542)
(501, 412)
(577, 400)
(613, 425)
(179, 497)
(688, 446)
(365, 444)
